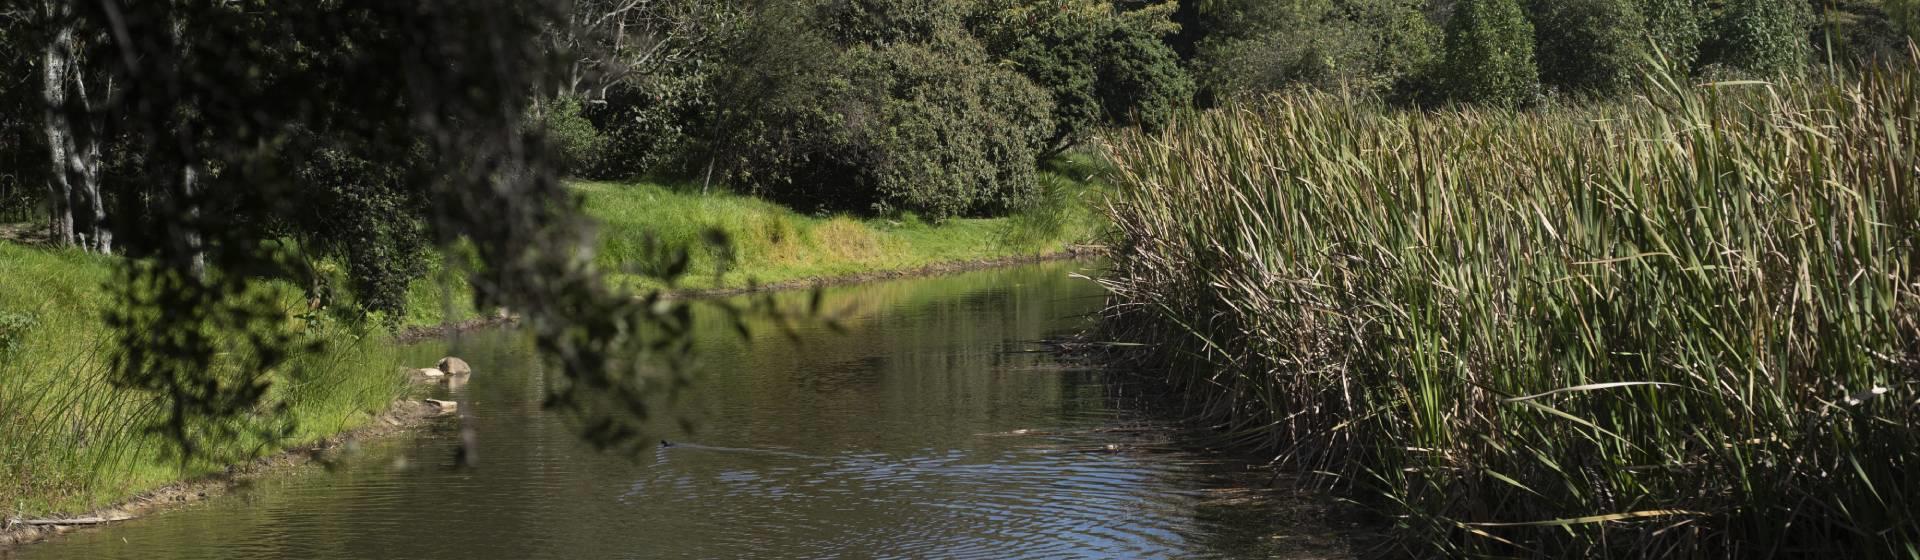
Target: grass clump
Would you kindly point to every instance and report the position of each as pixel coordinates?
(1682, 325)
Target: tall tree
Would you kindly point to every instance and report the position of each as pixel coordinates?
(73, 133)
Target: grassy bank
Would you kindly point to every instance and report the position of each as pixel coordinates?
(773, 244)
(70, 440)
(1679, 326)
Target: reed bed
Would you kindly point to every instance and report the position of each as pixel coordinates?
(1682, 325)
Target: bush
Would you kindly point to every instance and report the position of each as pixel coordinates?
(1589, 46)
(642, 127)
(1101, 66)
(1141, 81)
(1676, 28)
(576, 144)
(1848, 31)
(928, 126)
(1761, 37)
(886, 22)
(935, 135)
(1489, 54)
(1266, 46)
(358, 213)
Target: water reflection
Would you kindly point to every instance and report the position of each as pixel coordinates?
(926, 429)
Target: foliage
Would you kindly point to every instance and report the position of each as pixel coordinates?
(1264, 46)
(1905, 15)
(359, 211)
(1676, 29)
(1589, 46)
(930, 127)
(887, 22)
(1673, 326)
(1489, 54)
(1846, 32)
(1102, 66)
(644, 72)
(1141, 84)
(404, 122)
(1760, 37)
(22, 157)
(577, 145)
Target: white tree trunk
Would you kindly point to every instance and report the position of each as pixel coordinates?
(79, 211)
(189, 185)
(59, 138)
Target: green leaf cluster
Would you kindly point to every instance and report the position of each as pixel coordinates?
(1489, 54)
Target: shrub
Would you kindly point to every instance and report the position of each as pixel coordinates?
(1101, 66)
(886, 22)
(642, 127)
(1676, 28)
(938, 135)
(1489, 54)
(576, 144)
(1141, 81)
(928, 126)
(1266, 46)
(1763, 37)
(358, 213)
(1589, 46)
(1849, 31)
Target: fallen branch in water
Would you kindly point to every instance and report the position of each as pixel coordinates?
(96, 520)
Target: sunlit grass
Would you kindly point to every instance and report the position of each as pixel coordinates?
(1682, 325)
(70, 440)
(771, 243)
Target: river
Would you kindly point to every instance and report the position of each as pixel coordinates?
(930, 425)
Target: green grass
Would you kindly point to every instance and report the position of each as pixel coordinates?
(70, 440)
(772, 244)
(1678, 326)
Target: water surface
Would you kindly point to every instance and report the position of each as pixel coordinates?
(929, 428)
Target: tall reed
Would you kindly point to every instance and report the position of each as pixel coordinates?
(1681, 325)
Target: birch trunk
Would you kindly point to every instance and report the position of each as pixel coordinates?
(59, 138)
(79, 211)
